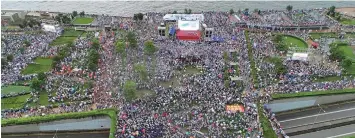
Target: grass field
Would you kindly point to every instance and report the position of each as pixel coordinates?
(294, 42)
(43, 99)
(14, 102)
(41, 65)
(71, 33)
(83, 20)
(318, 35)
(348, 51)
(62, 41)
(347, 21)
(15, 89)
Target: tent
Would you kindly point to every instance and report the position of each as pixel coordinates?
(188, 35)
(300, 56)
(315, 44)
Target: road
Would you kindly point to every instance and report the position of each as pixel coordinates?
(337, 132)
(316, 115)
(62, 135)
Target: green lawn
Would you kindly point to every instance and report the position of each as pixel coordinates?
(43, 99)
(15, 89)
(348, 51)
(327, 78)
(41, 65)
(347, 21)
(14, 102)
(71, 33)
(83, 20)
(294, 42)
(351, 35)
(62, 41)
(318, 35)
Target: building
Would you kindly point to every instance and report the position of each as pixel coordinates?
(12, 15)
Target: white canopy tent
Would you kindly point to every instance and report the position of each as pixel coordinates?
(300, 56)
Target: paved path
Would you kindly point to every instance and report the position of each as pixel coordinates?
(337, 132)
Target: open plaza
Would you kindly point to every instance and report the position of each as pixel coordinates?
(192, 74)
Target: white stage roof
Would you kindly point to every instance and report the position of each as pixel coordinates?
(185, 17)
(189, 25)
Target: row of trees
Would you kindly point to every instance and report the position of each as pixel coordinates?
(231, 11)
(30, 23)
(93, 56)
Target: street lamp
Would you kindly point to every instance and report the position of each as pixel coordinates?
(320, 109)
(55, 134)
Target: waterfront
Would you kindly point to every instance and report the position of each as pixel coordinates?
(128, 8)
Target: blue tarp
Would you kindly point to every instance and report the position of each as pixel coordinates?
(217, 39)
(172, 30)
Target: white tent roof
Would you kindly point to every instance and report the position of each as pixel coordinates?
(300, 56)
(49, 28)
(186, 17)
(189, 25)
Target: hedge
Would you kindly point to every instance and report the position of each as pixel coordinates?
(251, 58)
(265, 124)
(314, 93)
(74, 115)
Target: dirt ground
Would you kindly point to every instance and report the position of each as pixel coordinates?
(350, 11)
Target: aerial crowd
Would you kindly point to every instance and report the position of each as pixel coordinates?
(193, 104)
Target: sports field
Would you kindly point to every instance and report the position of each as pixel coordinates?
(83, 20)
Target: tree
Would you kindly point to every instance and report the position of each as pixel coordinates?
(82, 13)
(225, 56)
(140, 16)
(36, 84)
(3, 63)
(277, 38)
(259, 12)
(185, 11)
(95, 44)
(41, 76)
(27, 43)
(256, 10)
(175, 12)
(141, 70)
(131, 37)
(120, 47)
(135, 17)
(332, 9)
(289, 8)
(231, 11)
(338, 18)
(190, 11)
(347, 63)
(281, 46)
(129, 90)
(75, 13)
(10, 58)
(149, 47)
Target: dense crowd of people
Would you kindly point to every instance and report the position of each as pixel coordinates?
(193, 104)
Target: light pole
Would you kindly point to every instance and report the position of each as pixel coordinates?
(320, 109)
(55, 134)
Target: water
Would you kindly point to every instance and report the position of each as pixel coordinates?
(128, 8)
